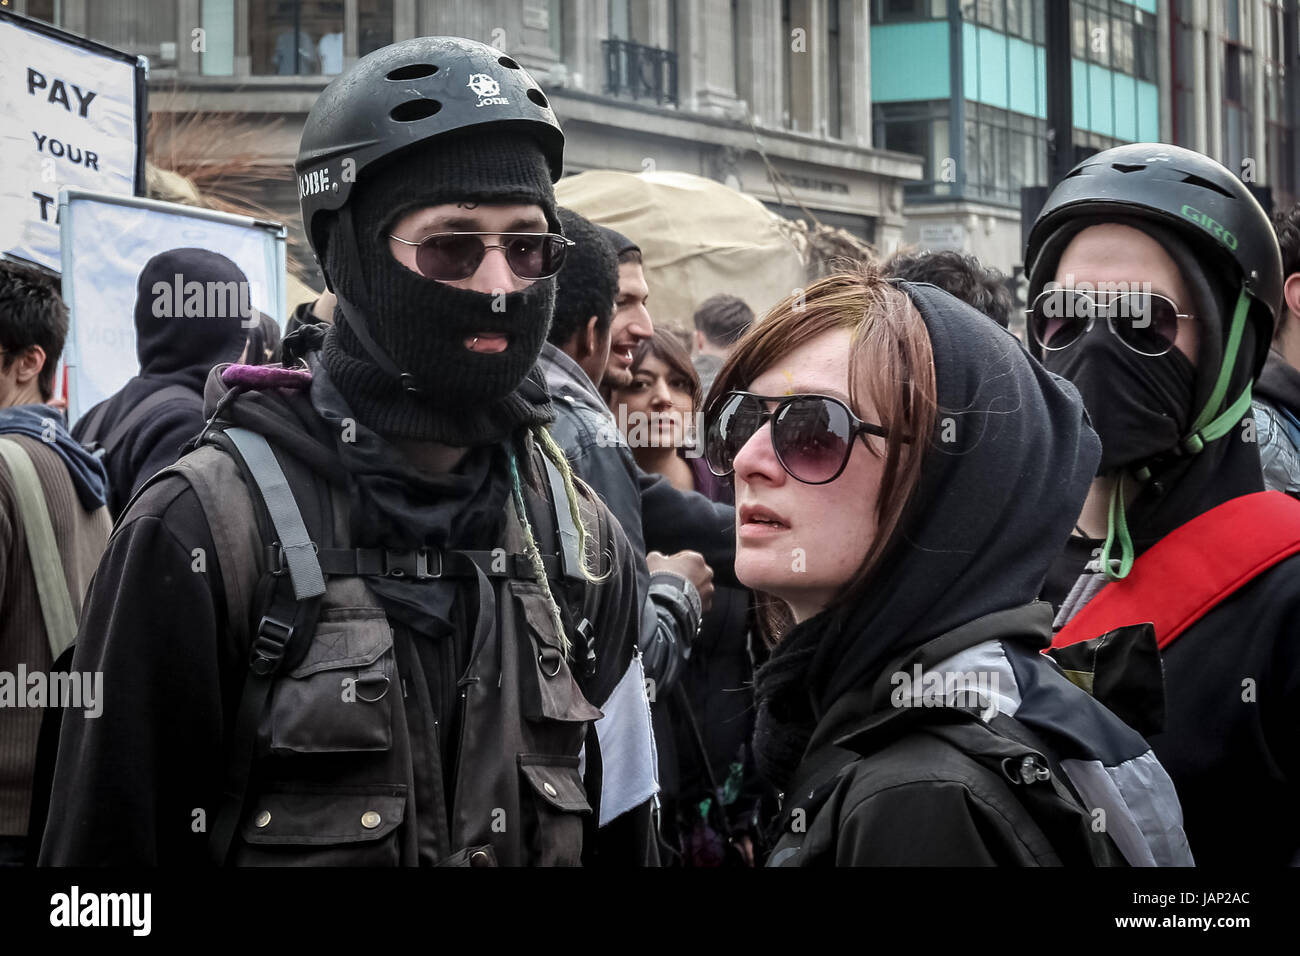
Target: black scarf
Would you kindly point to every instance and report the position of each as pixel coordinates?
(395, 505)
(991, 511)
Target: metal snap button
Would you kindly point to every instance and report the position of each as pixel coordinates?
(550, 791)
(479, 858)
(263, 818)
(370, 819)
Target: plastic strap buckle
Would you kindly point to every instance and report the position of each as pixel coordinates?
(272, 638)
(414, 564)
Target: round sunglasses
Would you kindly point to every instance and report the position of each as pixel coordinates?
(1146, 322)
(812, 435)
(451, 256)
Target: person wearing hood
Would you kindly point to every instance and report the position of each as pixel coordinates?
(71, 490)
(1277, 393)
(1155, 282)
(909, 676)
(143, 426)
(444, 672)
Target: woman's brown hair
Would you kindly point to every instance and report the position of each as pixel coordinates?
(664, 346)
(890, 362)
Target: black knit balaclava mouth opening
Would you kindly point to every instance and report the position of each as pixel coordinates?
(464, 398)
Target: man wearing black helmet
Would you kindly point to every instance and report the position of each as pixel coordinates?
(370, 619)
(1155, 281)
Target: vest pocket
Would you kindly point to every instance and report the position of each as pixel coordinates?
(339, 697)
(553, 816)
(551, 693)
(324, 826)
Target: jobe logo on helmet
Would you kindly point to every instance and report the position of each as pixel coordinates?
(488, 90)
(1205, 222)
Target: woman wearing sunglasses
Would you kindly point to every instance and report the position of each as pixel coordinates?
(904, 474)
(1155, 281)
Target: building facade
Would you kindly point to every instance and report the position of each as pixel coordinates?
(963, 83)
(772, 97)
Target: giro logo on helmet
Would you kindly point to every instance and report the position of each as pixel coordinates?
(1205, 222)
(488, 90)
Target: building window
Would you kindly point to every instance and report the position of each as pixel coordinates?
(921, 129)
(1006, 151)
(901, 11)
(217, 57)
(620, 20)
(42, 10)
(1279, 132)
(375, 25)
(295, 37)
(139, 25)
(1238, 93)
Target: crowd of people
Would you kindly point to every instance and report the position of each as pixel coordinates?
(485, 563)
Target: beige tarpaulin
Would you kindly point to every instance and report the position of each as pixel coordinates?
(698, 238)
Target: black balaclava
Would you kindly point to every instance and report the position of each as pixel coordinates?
(1143, 406)
(991, 511)
(465, 399)
(173, 346)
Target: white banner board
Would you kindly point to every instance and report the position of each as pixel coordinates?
(107, 240)
(71, 114)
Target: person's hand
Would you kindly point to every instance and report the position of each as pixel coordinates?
(323, 309)
(690, 565)
(746, 847)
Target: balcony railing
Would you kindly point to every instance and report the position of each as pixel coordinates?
(641, 72)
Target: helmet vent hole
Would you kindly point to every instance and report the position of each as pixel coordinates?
(413, 71)
(1206, 184)
(413, 110)
(1128, 167)
(538, 97)
(508, 63)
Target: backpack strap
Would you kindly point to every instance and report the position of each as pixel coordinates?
(42, 551)
(90, 437)
(570, 558)
(1193, 569)
(292, 612)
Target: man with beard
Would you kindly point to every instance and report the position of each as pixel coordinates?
(1155, 281)
(371, 618)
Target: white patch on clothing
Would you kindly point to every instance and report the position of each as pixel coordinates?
(628, 758)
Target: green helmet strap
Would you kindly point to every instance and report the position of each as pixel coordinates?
(1210, 425)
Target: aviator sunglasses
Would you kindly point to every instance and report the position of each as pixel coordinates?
(1146, 322)
(812, 435)
(450, 256)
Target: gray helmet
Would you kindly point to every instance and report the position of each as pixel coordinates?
(409, 93)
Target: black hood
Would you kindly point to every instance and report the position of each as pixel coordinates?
(1003, 481)
(183, 330)
(995, 504)
(1186, 486)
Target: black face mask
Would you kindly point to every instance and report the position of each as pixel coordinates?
(464, 398)
(1140, 405)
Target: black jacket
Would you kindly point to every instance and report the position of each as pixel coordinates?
(883, 785)
(142, 787)
(169, 354)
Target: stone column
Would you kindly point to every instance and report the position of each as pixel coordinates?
(1257, 149)
(855, 71)
(706, 57)
(1214, 67)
